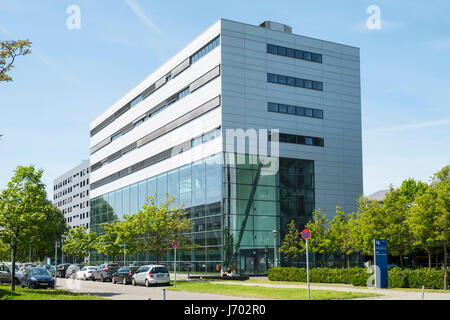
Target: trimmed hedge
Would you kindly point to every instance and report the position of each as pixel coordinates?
(398, 278)
(355, 276)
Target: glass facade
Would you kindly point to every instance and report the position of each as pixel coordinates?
(215, 192)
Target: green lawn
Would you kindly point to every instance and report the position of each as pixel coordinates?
(264, 292)
(338, 285)
(41, 294)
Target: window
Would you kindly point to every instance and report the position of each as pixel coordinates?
(291, 81)
(299, 83)
(294, 53)
(271, 49)
(282, 51)
(272, 78)
(272, 107)
(316, 57)
(308, 112)
(307, 84)
(116, 136)
(136, 101)
(282, 108)
(317, 113)
(291, 110)
(294, 139)
(300, 111)
(317, 85)
(282, 79)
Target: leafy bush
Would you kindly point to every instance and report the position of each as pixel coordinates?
(398, 278)
(355, 276)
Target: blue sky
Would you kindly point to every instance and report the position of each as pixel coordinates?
(72, 76)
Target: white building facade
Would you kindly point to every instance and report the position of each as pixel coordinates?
(71, 195)
(169, 134)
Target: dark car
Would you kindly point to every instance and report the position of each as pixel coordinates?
(34, 278)
(124, 275)
(105, 271)
(61, 270)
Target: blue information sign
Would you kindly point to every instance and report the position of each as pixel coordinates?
(380, 257)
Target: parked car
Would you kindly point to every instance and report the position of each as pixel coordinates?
(86, 273)
(151, 274)
(72, 270)
(34, 278)
(61, 270)
(124, 275)
(50, 269)
(5, 273)
(105, 271)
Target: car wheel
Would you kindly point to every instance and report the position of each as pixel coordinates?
(29, 286)
(133, 282)
(147, 284)
(124, 281)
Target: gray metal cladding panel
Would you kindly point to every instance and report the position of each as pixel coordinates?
(160, 82)
(126, 128)
(205, 79)
(100, 145)
(148, 91)
(181, 67)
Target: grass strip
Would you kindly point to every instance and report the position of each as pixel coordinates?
(42, 294)
(264, 292)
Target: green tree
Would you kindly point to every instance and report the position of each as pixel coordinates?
(291, 245)
(369, 224)
(156, 225)
(23, 208)
(4, 251)
(340, 235)
(78, 242)
(319, 242)
(395, 213)
(112, 242)
(9, 51)
(43, 241)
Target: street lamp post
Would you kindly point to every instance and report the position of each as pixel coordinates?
(275, 233)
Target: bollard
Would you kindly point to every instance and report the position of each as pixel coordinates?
(164, 294)
(423, 291)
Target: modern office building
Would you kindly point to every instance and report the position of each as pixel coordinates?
(176, 132)
(71, 195)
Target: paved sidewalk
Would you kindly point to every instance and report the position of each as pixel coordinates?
(386, 294)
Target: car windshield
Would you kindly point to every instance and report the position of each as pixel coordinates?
(159, 270)
(39, 271)
(113, 267)
(124, 269)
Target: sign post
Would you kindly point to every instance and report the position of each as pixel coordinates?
(175, 245)
(306, 234)
(380, 263)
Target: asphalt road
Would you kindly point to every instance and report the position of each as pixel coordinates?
(129, 292)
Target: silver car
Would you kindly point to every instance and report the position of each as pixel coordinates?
(151, 274)
(5, 273)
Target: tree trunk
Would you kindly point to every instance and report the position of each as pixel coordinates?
(429, 261)
(348, 261)
(13, 267)
(445, 266)
(401, 262)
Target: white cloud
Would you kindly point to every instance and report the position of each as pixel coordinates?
(141, 15)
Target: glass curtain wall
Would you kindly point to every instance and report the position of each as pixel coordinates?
(216, 194)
